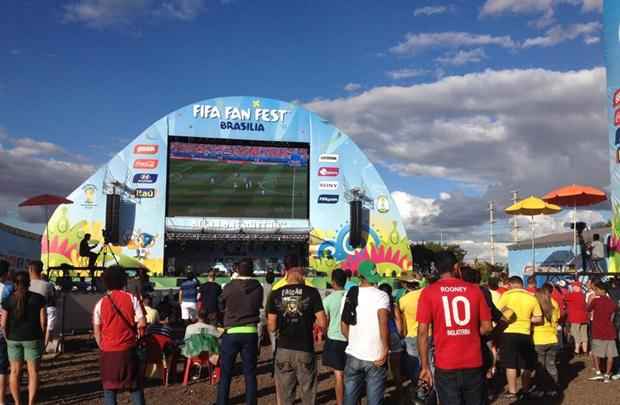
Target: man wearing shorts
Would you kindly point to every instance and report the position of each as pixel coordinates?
(458, 314)
(603, 331)
(334, 355)
(577, 317)
(521, 309)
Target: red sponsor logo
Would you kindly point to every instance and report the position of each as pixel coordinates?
(329, 171)
(145, 163)
(146, 149)
(617, 98)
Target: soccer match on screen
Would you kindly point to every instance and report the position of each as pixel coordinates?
(247, 181)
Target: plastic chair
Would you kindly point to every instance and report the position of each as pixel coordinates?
(157, 352)
(201, 361)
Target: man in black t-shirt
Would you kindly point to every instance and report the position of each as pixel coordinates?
(209, 296)
(293, 310)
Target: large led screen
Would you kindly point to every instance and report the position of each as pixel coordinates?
(237, 179)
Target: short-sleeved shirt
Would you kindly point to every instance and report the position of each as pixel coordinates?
(190, 290)
(603, 309)
(365, 336)
(296, 306)
(576, 308)
(118, 331)
(547, 334)
(524, 305)
(28, 327)
(408, 305)
(45, 289)
(209, 295)
(455, 310)
(598, 250)
(332, 304)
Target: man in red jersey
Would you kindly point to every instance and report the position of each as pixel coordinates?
(577, 311)
(458, 315)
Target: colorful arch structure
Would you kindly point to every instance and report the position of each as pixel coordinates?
(140, 174)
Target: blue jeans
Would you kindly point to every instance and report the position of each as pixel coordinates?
(356, 372)
(465, 387)
(232, 345)
(137, 397)
(413, 358)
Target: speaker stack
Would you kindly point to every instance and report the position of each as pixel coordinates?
(112, 218)
(355, 233)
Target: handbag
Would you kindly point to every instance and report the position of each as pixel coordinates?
(349, 312)
(141, 348)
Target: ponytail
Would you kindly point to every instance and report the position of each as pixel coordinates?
(22, 284)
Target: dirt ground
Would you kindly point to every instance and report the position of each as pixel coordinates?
(73, 378)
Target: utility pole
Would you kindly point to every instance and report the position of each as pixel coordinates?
(515, 223)
(441, 237)
(492, 230)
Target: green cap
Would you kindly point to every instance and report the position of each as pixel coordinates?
(368, 270)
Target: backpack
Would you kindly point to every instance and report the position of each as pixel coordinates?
(349, 312)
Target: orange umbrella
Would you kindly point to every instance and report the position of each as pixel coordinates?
(575, 196)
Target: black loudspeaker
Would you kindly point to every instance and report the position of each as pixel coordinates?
(355, 234)
(112, 218)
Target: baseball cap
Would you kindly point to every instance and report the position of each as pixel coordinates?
(368, 270)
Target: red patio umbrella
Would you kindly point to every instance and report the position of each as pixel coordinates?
(45, 200)
(575, 196)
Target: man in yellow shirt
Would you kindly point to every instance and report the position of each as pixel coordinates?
(521, 310)
(408, 305)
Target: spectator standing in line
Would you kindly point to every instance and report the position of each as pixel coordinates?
(408, 305)
(334, 355)
(240, 303)
(395, 325)
(597, 253)
(577, 317)
(458, 315)
(116, 332)
(292, 312)
(366, 328)
(210, 296)
(493, 285)
(6, 288)
(603, 331)
(46, 289)
(188, 297)
(521, 310)
(546, 344)
(25, 324)
(531, 285)
(290, 261)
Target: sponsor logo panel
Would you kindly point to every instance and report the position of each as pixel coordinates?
(145, 193)
(328, 185)
(383, 204)
(329, 199)
(329, 158)
(145, 178)
(329, 171)
(143, 149)
(145, 163)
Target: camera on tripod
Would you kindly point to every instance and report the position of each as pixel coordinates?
(106, 236)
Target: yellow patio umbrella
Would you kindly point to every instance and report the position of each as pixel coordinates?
(531, 207)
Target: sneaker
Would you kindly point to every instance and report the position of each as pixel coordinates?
(615, 377)
(597, 377)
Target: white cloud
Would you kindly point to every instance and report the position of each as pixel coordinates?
(352, 87)
(406, 73)
(430, 10)
(105, 13)
(29, 167)
(495, 130)
(415, 210)
(557, 34)
(415, 43)
(463, 57)
(545, 7)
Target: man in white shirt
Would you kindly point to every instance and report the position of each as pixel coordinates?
(598, 254)
(368, 338)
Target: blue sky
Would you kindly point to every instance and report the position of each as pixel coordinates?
(80, 78)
